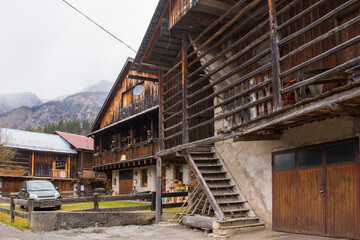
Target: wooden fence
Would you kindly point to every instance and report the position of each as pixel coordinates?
(31, 204)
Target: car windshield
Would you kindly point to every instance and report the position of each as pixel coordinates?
(40, 186)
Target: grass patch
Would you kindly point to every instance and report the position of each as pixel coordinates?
(175, 209)
(20, 223)
(112, 204)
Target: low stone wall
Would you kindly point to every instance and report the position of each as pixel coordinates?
(49, 221)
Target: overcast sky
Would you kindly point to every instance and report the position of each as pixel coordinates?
(49, 49)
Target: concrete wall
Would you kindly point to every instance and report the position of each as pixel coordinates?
(250, 162)
(49, 221)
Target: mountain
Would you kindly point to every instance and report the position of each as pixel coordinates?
(84, 105)
(15, 100)
(101, 86)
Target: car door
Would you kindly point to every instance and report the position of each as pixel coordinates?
(22, 191)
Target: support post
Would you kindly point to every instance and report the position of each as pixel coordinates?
(81, 163)
(116, 146)
(161, 111)
(276, 81)
(30, 209)
(12, 208)
(32, 163)
(96, 202)
(153, 201)
(158, 190)
(185, 137)
(152, 128)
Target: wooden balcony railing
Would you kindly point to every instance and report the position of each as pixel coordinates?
(128, 152)
(266, 57)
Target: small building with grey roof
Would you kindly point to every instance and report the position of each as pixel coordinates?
(38, 156)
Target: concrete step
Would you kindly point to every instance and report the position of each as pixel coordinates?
(233, 230)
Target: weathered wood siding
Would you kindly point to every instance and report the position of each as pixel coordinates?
(18, 166)
(257, 58)
(43, 164)
(179, 8)
(126, 104)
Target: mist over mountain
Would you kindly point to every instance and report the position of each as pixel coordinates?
(84, 105)
(15, 100)
(101, 86)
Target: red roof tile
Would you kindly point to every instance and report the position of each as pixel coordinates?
(77, 141)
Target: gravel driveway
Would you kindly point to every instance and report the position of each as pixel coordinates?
(148, 232)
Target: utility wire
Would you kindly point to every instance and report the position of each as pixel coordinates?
(98, 25)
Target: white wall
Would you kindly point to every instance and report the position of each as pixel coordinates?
(250, 162)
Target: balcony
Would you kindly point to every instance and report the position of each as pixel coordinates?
(127, 153)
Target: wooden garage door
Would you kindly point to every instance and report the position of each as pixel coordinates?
(125, 181)
(315, 190)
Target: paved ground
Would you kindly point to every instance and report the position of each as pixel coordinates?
(151, 232)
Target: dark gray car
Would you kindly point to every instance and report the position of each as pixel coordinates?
(40, 190)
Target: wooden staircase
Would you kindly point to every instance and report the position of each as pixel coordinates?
(230, 206)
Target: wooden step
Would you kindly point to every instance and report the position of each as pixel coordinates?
(201, 153)
(225, 194)
(206, 159)
(223, 186)
(230, 202)
(242, 219)
(214, 172)
(209, 165)
(217, 179)
(236, 210)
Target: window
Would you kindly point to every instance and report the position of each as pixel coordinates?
(284, 161)
(178, 173)
(144, 178)
(310, 157)
(341, 153)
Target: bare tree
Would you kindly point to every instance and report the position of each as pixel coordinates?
(6, 153)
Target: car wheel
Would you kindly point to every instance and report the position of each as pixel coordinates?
(58, 207)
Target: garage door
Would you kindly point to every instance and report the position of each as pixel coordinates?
(315, 190)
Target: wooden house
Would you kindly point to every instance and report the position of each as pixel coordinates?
(88, 179)
(125, 136)
(271, 89)
(38, 156)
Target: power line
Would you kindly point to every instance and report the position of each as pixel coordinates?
(98, 25)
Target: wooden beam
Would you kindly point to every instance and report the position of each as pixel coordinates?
(336, 96)
(158, 189)
(32, 163)
(276, 81)
(257, 137)
(184, 80)
(155, 80)
(154, 37)
(161, 109)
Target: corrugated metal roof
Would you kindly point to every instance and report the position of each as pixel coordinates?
(35, 141)
(77, 141)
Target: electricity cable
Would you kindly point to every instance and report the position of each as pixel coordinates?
(98, 25)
